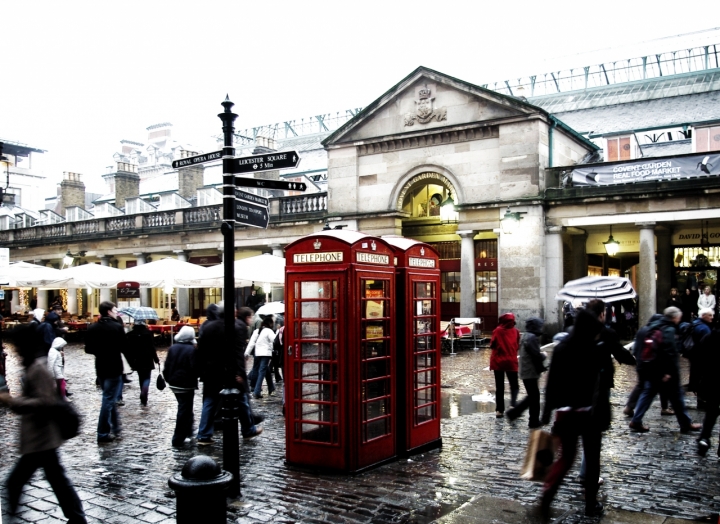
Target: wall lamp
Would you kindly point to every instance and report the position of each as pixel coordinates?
(69, 258)
(612, 246)
(448, 211)
(511, 220)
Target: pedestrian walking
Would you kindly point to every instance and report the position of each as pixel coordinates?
(181, 375)
(217, 369)
(144, 356)
(642, 369)
(106, 340)
(39, 436)
(262, 342)
(572, 390)
(707, 355)
(701, 327)
(663, 369)
(56, 365)
(504, 361)
(531, 366)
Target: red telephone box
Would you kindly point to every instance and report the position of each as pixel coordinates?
(339, 351)
(417, 273)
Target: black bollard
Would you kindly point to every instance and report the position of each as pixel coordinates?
(200, 491)
(231, 441)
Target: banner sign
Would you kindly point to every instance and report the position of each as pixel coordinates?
(647, 169)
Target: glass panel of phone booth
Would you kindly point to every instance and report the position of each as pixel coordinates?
(315, 367)
(375, 357)
(425, 348)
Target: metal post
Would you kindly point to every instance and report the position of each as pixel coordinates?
(231, 458)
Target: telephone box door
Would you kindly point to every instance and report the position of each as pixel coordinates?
(314, 356)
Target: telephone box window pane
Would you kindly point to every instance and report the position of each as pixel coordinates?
(424, 308)
(319, 330)
(423, 326)
(377, 428)
(310, 391)
(375, 330)
(317, 289)
(424, 396)
(424, 290)
(316, 433)
(307, 411)
(376, 369)
(318, 351)
(374, 291)
(374, 349)
(316, 371)
(376, 408)
(425, 343)
(425, 360)
(425, 414)
(315, 309)
(425, 378)
(376, 389)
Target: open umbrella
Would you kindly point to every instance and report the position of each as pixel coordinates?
(607, 289)
(271, 308)
(139, 313)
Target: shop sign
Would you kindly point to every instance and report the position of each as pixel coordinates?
(318, 258)
(485, 263)
(692, 236)
(128, 290)
(659, 169)
(372, 258)
(629, 242)
(421, 262)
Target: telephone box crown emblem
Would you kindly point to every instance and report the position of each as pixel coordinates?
(422, 251)
(317, 244)
(373, 246)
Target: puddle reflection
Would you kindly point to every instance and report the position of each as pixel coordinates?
(457, 404)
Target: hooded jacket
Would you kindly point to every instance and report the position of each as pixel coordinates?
(531, 363)
(181, 371)
(504, 345)
(55, 358)
(107, 341)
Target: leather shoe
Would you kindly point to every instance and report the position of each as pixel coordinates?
(703, 446)
(628, 411)
(106, 438)
(593, 510)
(667, 412)
(638, 428)
(691, 427)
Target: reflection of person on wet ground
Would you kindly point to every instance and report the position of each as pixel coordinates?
(504, 361)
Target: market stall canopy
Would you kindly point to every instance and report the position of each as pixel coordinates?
(260, 269)
(608, 289)
(167, 272)
(24, 274)
(90, 275)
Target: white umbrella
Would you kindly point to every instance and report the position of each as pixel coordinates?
(608, 289)
(260, 269)
(166, 272)
(92, 275)
(271, 308)
(24, 274)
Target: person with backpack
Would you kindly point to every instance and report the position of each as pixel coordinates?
(40, 437)
(531, 365)
(660, 358)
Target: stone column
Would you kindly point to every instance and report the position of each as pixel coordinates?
(104, 291)
(183, 293)
(467, 274)
(14, 300)
(664, 266)
(646, 273)
(579, 256)
(144, 292)
(42, 299)
(72, 303)
(277, 250)
(553, 278)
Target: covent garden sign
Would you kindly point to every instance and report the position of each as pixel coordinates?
(644, 170)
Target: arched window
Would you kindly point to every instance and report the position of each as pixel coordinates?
(424, 199)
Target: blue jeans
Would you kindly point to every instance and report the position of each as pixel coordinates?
(211, 404)
(109, 420)
(675, 397)
(184, 418)
(263, 374)
(144, 377)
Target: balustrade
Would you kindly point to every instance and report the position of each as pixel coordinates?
(303, 204)
(201, 215)
(120, 223)
(161, 219)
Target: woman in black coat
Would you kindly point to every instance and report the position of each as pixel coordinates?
(181, 375)
(144, 357)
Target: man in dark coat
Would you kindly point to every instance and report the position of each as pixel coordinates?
(573, 390)
(106, 340)
(707, 353)
(218, 369)
(141, 344)
(664, 369)
(253, 301)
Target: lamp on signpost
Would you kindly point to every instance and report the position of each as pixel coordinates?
(612, 246)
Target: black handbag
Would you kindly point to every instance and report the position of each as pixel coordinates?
(160, 383)
(67, 419)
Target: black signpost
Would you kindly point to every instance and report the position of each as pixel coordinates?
(198, 159)
(242, 208)
(268, 162)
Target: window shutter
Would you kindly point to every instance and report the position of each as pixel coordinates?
(625, 148)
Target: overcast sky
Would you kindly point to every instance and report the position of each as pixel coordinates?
(79, 76)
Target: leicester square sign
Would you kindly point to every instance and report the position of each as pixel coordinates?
(647, 170)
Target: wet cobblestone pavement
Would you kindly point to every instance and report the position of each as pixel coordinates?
(126, 481)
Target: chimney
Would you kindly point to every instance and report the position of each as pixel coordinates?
(127, 183)
(190, 178)
(264, 145)
(72, 192)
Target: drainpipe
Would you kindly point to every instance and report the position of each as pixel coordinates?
(553, 123)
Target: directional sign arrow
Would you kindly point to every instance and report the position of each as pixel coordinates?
(247, 214)
(270, 184)
(251, 197)
(199, 159)
(268, 162)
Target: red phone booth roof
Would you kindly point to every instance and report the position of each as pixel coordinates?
(411, 252)
(349, 237)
